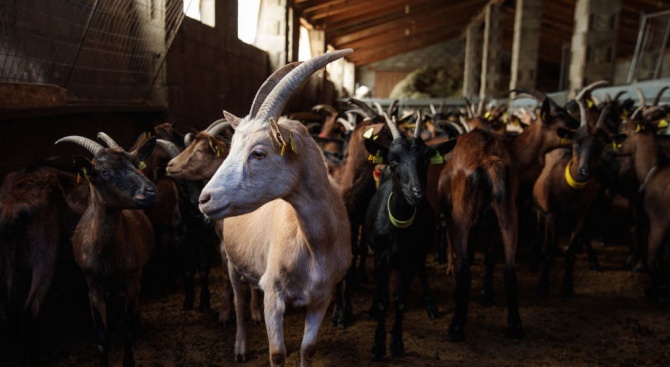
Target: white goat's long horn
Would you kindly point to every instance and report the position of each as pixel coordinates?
(108, 140)
(169, 147)
(218, 128)
(394, 129)
(90, 145)
(601, 119)
(417, 128)
(276, 101)
(214, 124)
(269, 84)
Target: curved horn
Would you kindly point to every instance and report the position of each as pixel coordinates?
(268, 86)
(392, 107)
(169, 147)
(214, 124)
(218, 128)
(591, 87)
(636, 112)
(618, 95)
(188, 139)
(582, 113)
(379, 107)
(392, 126)
(641, 97)
(108, 140)
(90, 145)
(482, 104)
(347, 125)
(367, 110)
(658, 96)
(432, 109)
(419, 121)
(325, 107)
(276, 101)
(468, 108)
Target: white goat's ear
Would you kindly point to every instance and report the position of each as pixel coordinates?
(277, 136)
(232, 119)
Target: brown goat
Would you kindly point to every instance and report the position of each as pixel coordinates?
(483, 172)
(112, 243)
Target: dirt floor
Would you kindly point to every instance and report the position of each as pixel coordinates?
(609, 322)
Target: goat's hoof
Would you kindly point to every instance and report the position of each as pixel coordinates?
(456, 333)
(257, 319)
(187, 306)
(432, 311)
(241, 357)
(378, 352)
(486, 298)
(541, 292)
(397, 349)
(515, 331)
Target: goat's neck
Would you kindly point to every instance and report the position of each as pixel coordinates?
(102, 228)
(398, 205)
(526, 148)
(312, 201)
(645, 156)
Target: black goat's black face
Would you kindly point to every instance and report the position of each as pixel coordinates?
(117, 178)
(408, 160)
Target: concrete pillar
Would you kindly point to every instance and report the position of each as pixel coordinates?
(527, 19)
(491, 52)
(278, 32)
(472, 70)
(594, 40)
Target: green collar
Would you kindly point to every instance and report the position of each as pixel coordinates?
(399, 223)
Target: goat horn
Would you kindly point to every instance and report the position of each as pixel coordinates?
(417, 128)
(268, 86)
(468, 108)
(393, 105)
(169, 147)
(188, 139)
(392, 126)
(618, 95)
(276, 101)
(367, 110)
(218, 128)
(90, 145)
(379, 107)
(591, 87)
(328, 108)
(442, 107)
(640, 95)
(347, 125)
(582, 113)
(480, 108)
(432, 109)
(108, 140)
(658, 96)
(636, 112)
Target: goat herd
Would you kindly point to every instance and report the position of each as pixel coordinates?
(296, 206)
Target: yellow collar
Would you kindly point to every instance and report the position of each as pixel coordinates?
(571, 181)
(399, 223)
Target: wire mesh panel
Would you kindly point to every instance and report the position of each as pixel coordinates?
(651, 44)
(99, 50)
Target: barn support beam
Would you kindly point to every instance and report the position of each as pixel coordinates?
(526, 43)
(594, 41)
(472, 70)
(491, 50)
(278, 32)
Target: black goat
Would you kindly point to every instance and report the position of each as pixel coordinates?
(399, 226)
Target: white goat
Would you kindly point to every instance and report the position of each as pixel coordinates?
(285, 224)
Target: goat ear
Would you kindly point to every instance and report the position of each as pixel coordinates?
(84, 166)
(145, 150)
(232, 119)
(565, 134)
(378, 152)
(546, 111)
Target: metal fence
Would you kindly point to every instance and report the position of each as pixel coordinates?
(652, 41)
(100, 51)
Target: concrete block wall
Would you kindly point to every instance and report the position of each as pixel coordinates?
(447, 53)
(209, 70)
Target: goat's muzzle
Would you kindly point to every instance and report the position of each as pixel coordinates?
(146, 196)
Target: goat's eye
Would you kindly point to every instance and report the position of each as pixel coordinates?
(104, 173)
(258, 154)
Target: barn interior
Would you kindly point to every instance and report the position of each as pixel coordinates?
(78, 67)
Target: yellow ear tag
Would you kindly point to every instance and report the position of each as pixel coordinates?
(142, 165)
(83, 170)
(377, 158)
(663, 124)
(589, 103)
(293, 147)
(505, 118)
(615, 146)
(437, 159)
(487, 115)
(563, 140)
(639, 128)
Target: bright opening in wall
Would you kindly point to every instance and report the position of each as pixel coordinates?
(247, 20)
(201, 10)
(304, 48)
